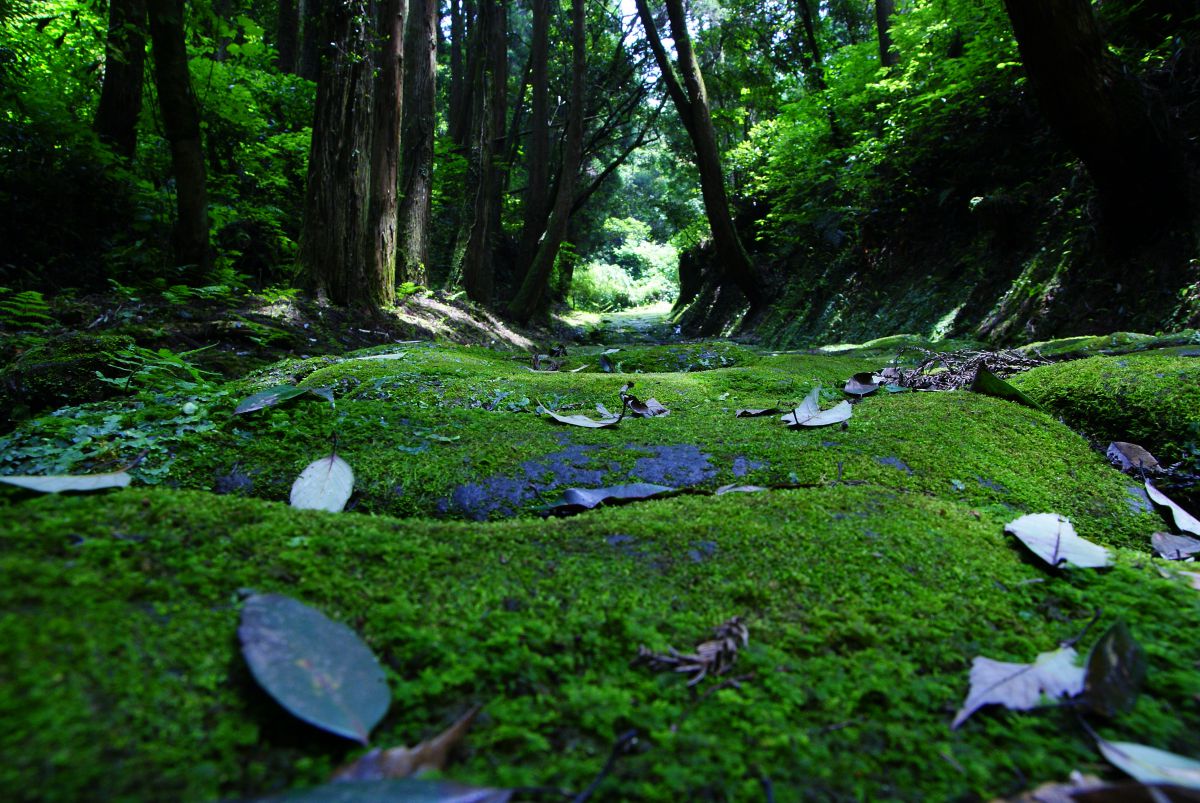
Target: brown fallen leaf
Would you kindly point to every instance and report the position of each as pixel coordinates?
(401, 762)
(714, 656)
(1131, 457)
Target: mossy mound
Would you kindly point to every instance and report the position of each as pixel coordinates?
(58, 372)
(1115, 343)
(1152, 399)
(455, 432)
(123, 681)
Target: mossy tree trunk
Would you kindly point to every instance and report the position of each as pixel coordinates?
(181, 123)
(124, 67)
(1105, 114)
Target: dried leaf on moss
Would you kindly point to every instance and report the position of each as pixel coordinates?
(712, 657)
(325, 484)
(268, 398)
(810, 414)
(582, 420)
(1174, 547)
(1151, 765)
(401, 762)
(57, 483)
(1116, 667)
(1020, 687)
(862, 384)
(575, 500)
(738, 489)
(1131, 457)
(1052, 538)
(754, 413)
(1184, 521)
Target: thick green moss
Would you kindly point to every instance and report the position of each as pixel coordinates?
(1152, 399)
(1115, 343)
(59, 372)
(122, 678)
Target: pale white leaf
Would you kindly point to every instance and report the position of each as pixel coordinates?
(1151, 765)
(1183, 520)
(583, 420)
(1020, 687)
(1053, 539)
(809, 413)
(65, 482)
(326, 484)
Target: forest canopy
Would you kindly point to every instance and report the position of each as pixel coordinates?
(799, 161)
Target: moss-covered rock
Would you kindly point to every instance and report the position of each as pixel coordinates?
(1152, 399)
(865, 607)
(1115, 343)
(59, 372)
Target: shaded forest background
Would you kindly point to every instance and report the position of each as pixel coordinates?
(819, 169)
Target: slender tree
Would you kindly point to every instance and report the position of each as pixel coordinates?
(691, 101)
(124, 68)
(537, 190)
(1104, 114)
(533, 290)
(420, 47)
(181, 123)
(884, 9)
(387, 110)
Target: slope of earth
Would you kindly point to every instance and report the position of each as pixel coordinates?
(870, 573)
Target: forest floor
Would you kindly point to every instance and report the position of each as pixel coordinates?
(867, 561)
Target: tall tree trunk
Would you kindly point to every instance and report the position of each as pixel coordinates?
(478, 271)
(312, 27)
(124, 67)
(532, 294)
(457, 43)
(287, 36)
(691, 101)
(420, 122)
(884, 9)
(181, 123)
(1104, 114)
(537, 191)
(336, 239)
(386, 113)
(462, 108)
(499, 111)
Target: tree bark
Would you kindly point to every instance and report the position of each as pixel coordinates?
(478, 275)
(124, 67)
(420, 123)
(1104, 114)
(691, 101)
(335, 239)
(457, 42)
(811, 60)
(532, 294)
(884, 9)
(499, 109)
(387, 111)
(537, 191)
(181, 123)
(287, 36)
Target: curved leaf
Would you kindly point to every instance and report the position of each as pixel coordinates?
(1053, 539)
(66, 482)
(809, 413)
(268, 398)
(325, 484)
(1020, 687)
(1151, 765)
(1184, 521)
(1116, 667)
(577, 499)
(316, 668)
(862, 384)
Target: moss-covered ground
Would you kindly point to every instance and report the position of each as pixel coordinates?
(870, 575)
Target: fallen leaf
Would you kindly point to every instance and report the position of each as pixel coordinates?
(1151, 765)
(1184, 521)
(325, 484)
(606, 363)
(1020, 687)
(754, 413)
(324, 393)
(56, 483)
(646, 409)
(1116, 667)
(1053, 539)
(1133, 792)
(268, 398)
(395, 355)
(577, 499)
(1174, 547)
(862, 384)
(1057, 792)
(737, 489)
(714, 656)
(543, 363)
(809, 413)
(1131, 457)
(401, 762)
(396, 790)
(580, 368)
(316, 668)
(989, 384)
(582, 420)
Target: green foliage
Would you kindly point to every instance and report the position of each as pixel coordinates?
(627, 269)
(157, 370)
(26, 310)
